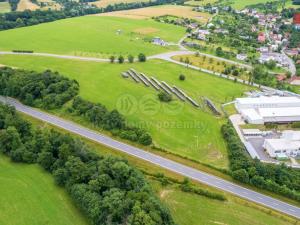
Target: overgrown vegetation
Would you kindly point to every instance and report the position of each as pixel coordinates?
(106, 189)
(275, 178)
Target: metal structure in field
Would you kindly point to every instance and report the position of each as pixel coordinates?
(158, 85)
(212, 106)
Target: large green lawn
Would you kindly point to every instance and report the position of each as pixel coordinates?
(92, 36)
(30, 197)
(179, 128)
(191, 209)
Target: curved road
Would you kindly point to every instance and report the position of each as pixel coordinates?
(157, 160)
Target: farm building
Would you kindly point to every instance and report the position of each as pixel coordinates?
(273, 109)
(159, 41)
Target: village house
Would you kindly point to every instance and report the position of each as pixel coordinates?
(159, 41)
(261, 37)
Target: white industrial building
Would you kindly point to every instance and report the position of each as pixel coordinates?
(274, 109)
(287, 145)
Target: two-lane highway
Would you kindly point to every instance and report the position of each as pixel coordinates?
(157, 160)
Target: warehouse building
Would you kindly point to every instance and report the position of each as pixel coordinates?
(273, 109)
(287, 145)
(266, 102)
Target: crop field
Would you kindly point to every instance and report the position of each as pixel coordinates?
(176, 127)
(199, 2)
(91, 36)
(26, 5)
(149, 12)
(4, 7)
(104, 3)
(30, 197)
(191, 209)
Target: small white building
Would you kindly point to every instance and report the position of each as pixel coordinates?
(159, 41)
(241, 57)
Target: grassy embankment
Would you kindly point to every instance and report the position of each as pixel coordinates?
(30, 197)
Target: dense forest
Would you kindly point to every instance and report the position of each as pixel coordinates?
(275, 178)
(106, 189)
(50, 90)
(70, 9)
(46, 90)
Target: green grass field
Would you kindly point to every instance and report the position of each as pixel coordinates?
(178, 128)
(199, 2)
(92, 36)
(191, 209)
(30, 197)
(240, 4)
(4, 7)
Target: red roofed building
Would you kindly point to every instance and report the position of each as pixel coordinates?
(296, 20)
(261, 37)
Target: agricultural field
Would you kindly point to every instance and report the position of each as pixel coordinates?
(172, 10)
(191, 209)
(199, 2)
(30, 197)
(178, 128)
(92, 36)
(4, 7)
(27, 5)
(105, 3)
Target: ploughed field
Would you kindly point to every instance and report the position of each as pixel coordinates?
(92, 36)
(29, 196)
(176, 127)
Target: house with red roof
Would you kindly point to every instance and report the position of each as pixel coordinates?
(261, 37)
(296, 21)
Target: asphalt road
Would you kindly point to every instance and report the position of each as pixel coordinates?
(157, 160)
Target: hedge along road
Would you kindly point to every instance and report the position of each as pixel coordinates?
(157, 160)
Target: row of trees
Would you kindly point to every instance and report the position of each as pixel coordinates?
(106, 188)
(47, 89)
(70, 9)
(141, 58)
(111, 121)
(275, 178)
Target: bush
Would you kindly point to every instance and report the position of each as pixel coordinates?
(164, 97)
(121, 59)
(181, 77)
(142, 57)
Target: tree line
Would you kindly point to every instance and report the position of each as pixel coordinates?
(111, 121)
(46, 89)
(279, 179)
(70, 9)
(106, 189)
